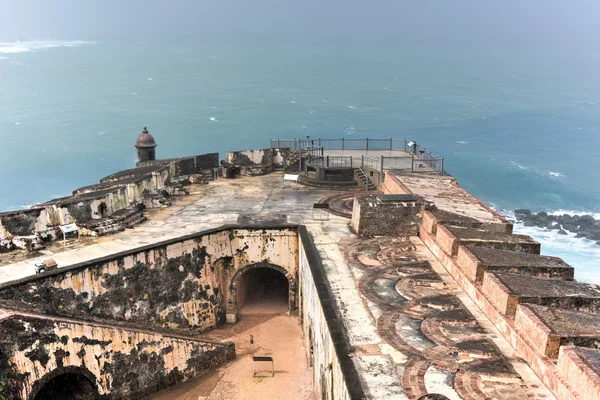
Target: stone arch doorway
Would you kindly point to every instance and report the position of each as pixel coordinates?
(103, 210)
(69, 383)
(261, 289)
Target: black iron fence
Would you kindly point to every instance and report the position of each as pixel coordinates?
(418, 159)
(342, 144)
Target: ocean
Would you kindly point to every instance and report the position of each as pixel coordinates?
(518, 127)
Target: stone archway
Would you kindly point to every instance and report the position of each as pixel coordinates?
(260, 282)
(68, 383)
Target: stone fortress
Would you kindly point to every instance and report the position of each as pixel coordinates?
(401, 284)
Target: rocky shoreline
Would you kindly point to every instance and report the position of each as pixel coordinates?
(585, 226)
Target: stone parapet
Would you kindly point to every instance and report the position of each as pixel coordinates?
(549, 328)
(477, 260)
(582, 367)
(508, 290)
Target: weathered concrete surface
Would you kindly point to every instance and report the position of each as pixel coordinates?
(122, 363)
(444, 192)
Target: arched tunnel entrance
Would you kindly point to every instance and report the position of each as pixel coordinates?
(262, 291)
(68, 386)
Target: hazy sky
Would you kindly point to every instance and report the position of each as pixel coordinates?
(506, 20)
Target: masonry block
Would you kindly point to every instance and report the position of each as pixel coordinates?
(506, 291)
(581, 366)
(476, 260)
(494, 240)
(549, 328)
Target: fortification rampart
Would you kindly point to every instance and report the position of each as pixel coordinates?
(183, 284)
(118, 362)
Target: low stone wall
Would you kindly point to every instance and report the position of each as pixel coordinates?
(334, 374)
(181, 284)
(376, 216)
(258, 162)
(122, 363)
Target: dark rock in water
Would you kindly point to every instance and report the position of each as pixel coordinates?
(570, 227)
(552, 225)
(552, 217)
(522, 211)
(581, 234)
(593, 235)
(542, 214)
(562, 232)
(529, 223)
(598, 242)
(587, 221)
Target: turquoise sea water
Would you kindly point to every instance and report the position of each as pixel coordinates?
(517, 127)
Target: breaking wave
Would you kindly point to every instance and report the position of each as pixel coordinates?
(583, 254)
(33, 45)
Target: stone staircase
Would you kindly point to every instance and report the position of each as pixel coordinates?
(117, 222)
(292, 162)
(364, 182)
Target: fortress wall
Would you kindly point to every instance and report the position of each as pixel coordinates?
(182, 284)
(121, 362)
(527, 346)
(391, 185)
(334, 373)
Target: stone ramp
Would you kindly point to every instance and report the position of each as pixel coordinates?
(120, 361)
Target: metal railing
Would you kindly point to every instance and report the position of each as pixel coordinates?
(341, 144)
(420, 159)
(331, 161)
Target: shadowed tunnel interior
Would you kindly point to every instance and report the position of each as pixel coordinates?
(263, 291)
(70, 386)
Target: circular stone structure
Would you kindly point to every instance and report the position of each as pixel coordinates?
(145, 145)
(342, 204)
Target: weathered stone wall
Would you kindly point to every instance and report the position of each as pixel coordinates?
(122, 363)
(182, 284)
(334, 374)
(374, 217)
(258, 162)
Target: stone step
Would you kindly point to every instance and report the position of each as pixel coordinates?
(476, 260)
(549, 328)
(581, 367)
(451, 237)
(506, 291)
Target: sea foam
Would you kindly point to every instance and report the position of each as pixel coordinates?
(27, 46)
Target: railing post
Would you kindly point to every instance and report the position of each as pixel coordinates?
(322, 151)
(327, 161)
(391, 144)
(342, 143)
(381, 165)
(367, 143)
(362, 161)
(319, 141)
(412, 163)
(405, 142)
(350, 161)
(442, 171)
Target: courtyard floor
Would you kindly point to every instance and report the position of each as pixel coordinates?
(278, 336)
